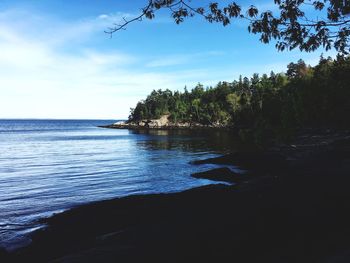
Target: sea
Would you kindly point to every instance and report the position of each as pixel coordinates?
(49, 166)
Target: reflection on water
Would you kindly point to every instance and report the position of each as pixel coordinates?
(190, 140)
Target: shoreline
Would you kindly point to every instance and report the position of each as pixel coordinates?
(167, 127)
(275, 216)
(163, 123)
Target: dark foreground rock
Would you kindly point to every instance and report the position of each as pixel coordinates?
(4, 256)
(302, 216)
(257, 161)
(221, 174)
(308, 149)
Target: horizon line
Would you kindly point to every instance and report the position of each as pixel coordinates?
(73, 119)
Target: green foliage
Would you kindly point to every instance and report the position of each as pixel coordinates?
(274, 105)
(303, 24)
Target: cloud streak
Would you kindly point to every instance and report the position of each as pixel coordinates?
(41, 77)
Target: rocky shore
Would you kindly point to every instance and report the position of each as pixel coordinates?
(291, 206)
(163, 123)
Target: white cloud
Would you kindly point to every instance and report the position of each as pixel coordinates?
(40, 78)
(103, 16)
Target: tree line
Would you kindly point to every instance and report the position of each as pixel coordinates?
(304, 96)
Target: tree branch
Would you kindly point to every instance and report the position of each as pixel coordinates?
(122, 26)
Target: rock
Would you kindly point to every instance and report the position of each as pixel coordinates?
(252, 161)
(4, 255)
(119, 123)
(163, 121)
(183, 124)
(153, 124)
(220, 174)
(142, 123)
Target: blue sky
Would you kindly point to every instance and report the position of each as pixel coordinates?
(56, 61)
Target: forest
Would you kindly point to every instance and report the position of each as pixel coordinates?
(274, 104)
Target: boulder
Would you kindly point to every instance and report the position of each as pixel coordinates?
(163, 121)
(220, 174)
(142, 123)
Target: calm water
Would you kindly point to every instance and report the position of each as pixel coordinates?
(48, 166)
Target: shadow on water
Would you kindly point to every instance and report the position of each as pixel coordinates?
(189, 140)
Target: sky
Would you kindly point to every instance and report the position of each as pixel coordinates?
(57, 62)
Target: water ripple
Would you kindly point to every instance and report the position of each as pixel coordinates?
(49, 166)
